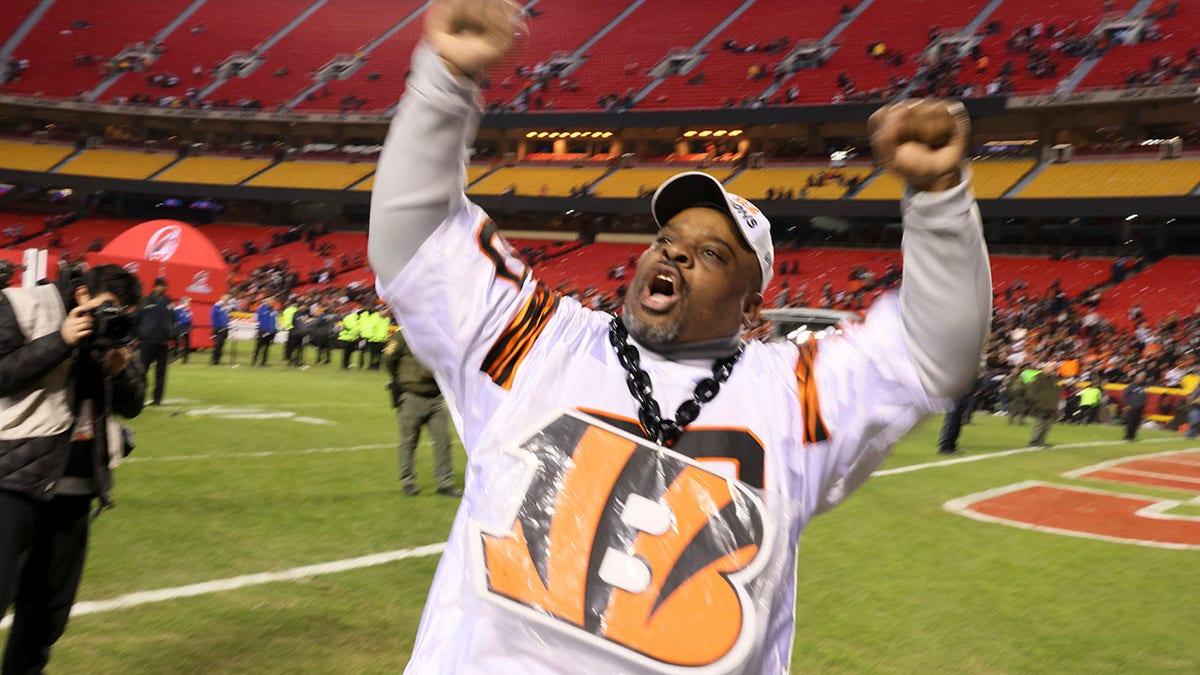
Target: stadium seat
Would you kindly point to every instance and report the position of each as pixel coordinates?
(1154, 178)
(214, 170)
(313, 175)
(990, 180)
(31, 156)
(117, 164)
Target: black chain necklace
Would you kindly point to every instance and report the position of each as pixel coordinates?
(664, 431)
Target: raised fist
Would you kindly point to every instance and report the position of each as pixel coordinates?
(923, 141)
(471, 35)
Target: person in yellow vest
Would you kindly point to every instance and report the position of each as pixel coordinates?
(367, 318)
(381, 327)
(1089, 403)
(348, 336)
(287, 323)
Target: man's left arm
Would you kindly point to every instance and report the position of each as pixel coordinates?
(946, 296)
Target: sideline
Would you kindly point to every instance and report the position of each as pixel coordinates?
(295, 573)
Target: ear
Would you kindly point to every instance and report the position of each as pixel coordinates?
(82, 295)
(752, 307)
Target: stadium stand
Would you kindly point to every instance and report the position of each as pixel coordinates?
(117, 164)
(1169, 286)
(1138, 178)
(804, 183)
(1180, 32)
(55, 42)
(638, 41)
(533, 181)
(1075, 276)
(378, 83)
(76, 238)
(214, 170)
(223, 34)
(31, 156)
(313, 175)
(561, 26)
(474, 173)
(902, 27)
(725, 72)
(335, 28)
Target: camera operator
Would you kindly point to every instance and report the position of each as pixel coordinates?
(65, 367)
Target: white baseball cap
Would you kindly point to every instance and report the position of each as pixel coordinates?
(696, 188)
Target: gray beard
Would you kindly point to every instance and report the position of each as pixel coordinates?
(651, 336)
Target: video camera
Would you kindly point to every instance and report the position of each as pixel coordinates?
(113, 328)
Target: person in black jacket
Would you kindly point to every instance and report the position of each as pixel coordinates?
(156, 329)
(1135, 406)
(65, 368)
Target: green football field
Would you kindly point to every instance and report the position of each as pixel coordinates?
(260, 528)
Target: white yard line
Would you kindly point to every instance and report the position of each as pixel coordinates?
(218, 585)
(1004, 453)
(270, 453)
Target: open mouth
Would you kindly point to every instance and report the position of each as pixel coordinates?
(662, 292)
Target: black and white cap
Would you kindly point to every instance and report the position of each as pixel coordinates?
(696, 188)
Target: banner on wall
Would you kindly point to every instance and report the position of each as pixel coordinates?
(181, 254)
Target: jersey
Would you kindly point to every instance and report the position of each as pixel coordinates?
(581, 546)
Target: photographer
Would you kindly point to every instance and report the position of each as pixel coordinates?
(65, 367)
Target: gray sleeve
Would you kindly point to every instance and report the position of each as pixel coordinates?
(946, 297)
(422, 169)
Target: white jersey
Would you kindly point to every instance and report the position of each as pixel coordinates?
(578, 548)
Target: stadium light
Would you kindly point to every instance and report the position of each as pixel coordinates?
(1131, 217)
(597, 134)
(531, 134)
(706, 133)
(607, 134)
(720, 132)
(543, 134)
(689, 134)
(735, 132)
(576, 134)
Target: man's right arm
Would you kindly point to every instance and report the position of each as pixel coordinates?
(422, 169)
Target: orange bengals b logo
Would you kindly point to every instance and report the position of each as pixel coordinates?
(631, 548)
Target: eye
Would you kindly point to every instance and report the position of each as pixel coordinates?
(662, 240)
(713, 253)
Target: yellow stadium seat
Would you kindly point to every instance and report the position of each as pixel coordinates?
(529, 181)
(629, 182)
(886, 185)
(473, 174)
(313, 175)
(1152, 178)
(213, 170)
(30, 156)
(754, 183)
(117, 164)
(990, 180)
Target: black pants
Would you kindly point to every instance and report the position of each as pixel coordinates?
(348, 349)
(156, 353)
(952, 425)
(295, 350)
(263, 346)
(183, 346)
(219, 337)
(1133, 420)
(42, 550)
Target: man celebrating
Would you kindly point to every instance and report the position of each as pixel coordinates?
(636, 486)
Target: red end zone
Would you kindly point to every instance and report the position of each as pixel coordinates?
(1100, 514)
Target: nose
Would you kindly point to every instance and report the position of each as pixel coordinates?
(675, 253)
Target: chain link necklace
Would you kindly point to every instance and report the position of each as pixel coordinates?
(664, 431)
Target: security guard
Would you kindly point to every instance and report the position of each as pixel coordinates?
(348, 337)
(418, 401)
